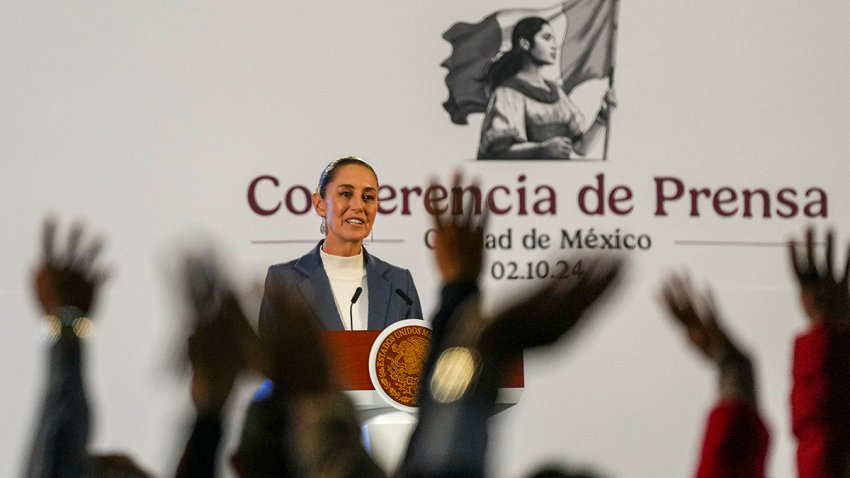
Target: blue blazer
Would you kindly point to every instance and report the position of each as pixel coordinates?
(306, 277)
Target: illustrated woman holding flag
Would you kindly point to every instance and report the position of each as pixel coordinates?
(528, 116)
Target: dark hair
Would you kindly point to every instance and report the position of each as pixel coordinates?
(507, 65)
(557, 471)
(329, 172)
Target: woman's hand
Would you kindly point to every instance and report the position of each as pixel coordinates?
(609, 102)
(557, 147)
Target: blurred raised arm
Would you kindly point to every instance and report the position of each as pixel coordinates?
(469, 353)
(736, 440)
(66, 284)
(696, 314)
(820, 395)
(221, 345)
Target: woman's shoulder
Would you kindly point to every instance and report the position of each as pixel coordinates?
(518, 88)
(504, 97)
(304, 264)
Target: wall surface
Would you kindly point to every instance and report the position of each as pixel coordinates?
(149, 121)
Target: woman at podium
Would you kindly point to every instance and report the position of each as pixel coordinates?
(344, 286)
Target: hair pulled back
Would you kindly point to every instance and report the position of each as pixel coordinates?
(329, 173)
(508, 64)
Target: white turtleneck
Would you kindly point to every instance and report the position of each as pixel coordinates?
(346, 274)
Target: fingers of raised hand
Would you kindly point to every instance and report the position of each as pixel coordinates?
(709, 306)
(70, 276)
(803, 262)
(562, 305)
(86, 260)
(48, 238)
(79, 256)
(462, 215)
(829, 255)
(74, 237)
(796, 262)
(550, 299)
(203, 285)
(837, 276)
(806, 269)
(470, 218)
(603, 273)
(537, 320)
(809, 269)
(439, 221)
(845, 279)
(575, 297)
(678, 297)
(460, 228)
(697, 313)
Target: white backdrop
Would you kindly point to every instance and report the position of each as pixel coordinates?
(148, 120)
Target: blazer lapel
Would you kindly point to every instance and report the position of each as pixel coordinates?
(316, 290)
(380, 292)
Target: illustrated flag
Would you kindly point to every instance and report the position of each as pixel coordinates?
(587, 48)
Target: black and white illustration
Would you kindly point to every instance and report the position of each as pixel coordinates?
(519, 67)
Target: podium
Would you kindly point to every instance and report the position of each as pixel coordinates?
(386, 425)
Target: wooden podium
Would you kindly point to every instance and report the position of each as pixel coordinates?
(349, 353)
(385, 427)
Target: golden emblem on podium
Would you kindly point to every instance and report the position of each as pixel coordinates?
(396, 361)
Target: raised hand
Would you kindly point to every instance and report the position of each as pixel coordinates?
(477, 350)
(69, 277)
(222, 343)
(697, 315)
(552, 311)
(459, 240)
(823, 290)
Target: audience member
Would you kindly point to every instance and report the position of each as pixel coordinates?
(736, 439)
(67, 284)
(469, 354)
(820, 397)
(221, 345)
(304, 426)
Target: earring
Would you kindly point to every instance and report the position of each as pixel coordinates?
(323, 228)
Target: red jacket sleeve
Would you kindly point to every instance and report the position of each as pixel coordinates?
(820, 402)
(735, 443)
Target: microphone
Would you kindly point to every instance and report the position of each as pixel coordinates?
(404, 297)
(351, 307)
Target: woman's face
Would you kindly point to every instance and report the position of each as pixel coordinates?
(544, 49)
(349, 206)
